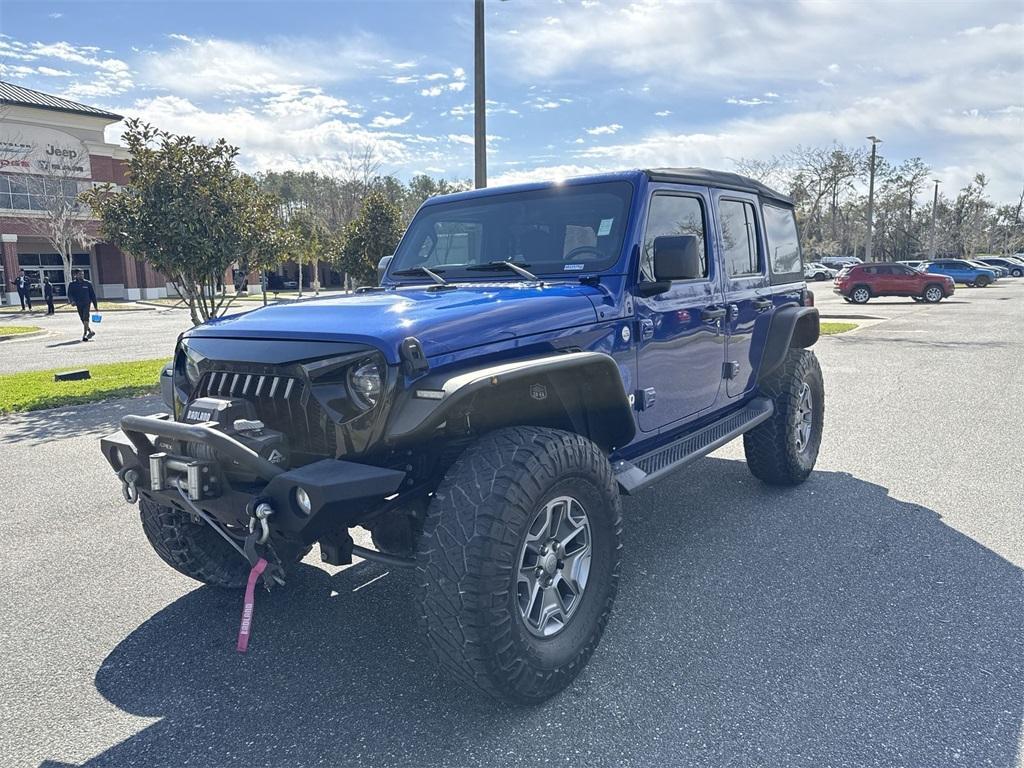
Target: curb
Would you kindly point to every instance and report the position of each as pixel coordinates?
(17, 336)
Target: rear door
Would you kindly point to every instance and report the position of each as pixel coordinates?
(679, 333)
(746, 285)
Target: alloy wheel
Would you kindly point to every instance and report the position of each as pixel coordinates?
(933, 294)
(554, 564)
(804, 418)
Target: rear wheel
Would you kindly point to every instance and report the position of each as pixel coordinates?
(932, 294)
(519, 562)
(1017, 272)
(860, 295)
(783, 449)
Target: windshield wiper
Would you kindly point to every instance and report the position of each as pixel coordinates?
(496, 265)
(422, 271)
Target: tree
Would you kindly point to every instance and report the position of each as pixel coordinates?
(61, 216)
(373, 235)
(187, 211)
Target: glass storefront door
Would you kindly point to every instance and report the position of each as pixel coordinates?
(50, 265)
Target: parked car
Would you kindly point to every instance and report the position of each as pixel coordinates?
(482, 410)
(817, 271)
(838, 262)
(862, 282)
(962, 271)
(1012, 266)
(911, 264)
(1000, 271)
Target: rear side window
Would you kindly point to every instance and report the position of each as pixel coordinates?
(739, 238)
(783, 244)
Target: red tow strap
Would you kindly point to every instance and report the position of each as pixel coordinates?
(249, 606)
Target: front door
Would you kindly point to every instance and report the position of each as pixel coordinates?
(680, 336)
(747, 288)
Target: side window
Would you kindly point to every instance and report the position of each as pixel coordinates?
(739, 238)
(783, 243)
(673, 215)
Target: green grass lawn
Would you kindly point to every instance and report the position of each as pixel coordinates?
(33, 390)
(828, 329)
(16, 330)
(39, 307)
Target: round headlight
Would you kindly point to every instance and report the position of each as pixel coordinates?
(366, 384)
(192, 367)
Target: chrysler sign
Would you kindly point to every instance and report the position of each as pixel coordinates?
(43, 151)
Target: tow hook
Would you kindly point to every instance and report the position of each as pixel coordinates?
(259, 517)
(129, 486)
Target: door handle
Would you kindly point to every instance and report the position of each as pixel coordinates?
(762, 304)
(713, 314)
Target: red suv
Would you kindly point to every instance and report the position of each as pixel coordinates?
(860, 282)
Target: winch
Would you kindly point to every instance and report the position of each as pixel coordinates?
(235, 417)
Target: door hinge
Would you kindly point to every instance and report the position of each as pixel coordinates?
(644, 399)
(730, 369)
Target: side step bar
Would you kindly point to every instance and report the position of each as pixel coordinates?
(639, 472)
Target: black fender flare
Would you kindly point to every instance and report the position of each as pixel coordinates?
(586, 386)
(791, 326)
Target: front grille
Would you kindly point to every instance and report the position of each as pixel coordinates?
(283, 403)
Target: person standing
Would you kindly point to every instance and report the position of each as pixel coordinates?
(48, 295)
(24, 285)
(81, 294)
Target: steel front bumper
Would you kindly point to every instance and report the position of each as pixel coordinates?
(161, 469)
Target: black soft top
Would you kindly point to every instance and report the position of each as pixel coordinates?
(719, 179)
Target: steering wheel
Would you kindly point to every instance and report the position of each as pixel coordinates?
(583, 249)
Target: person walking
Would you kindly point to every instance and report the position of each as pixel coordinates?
(24, 285)
(48, 295)
(81, 294)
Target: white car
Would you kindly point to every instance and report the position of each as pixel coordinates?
(817, 271)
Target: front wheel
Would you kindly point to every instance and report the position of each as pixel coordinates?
(783, 449)
(519, 562)
(933, 294)
(982, 282)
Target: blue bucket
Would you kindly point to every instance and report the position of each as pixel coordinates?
(97, 318)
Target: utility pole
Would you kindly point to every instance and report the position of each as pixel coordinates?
(480, 101)
(935, 205)
(871, 197)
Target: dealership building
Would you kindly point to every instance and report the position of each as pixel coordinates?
(52, 145)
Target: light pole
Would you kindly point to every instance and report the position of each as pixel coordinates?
(871, 196)
(479, 101)
(935, 205)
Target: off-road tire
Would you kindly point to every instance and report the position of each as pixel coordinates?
(932, 294)
(191, 548)
(771, 447)
(860, 294)
(468, 561)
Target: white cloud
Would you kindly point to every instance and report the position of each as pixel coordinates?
(663, 113)
(460, 138)
(456, 87)
(436, 76)
(604, 130)
(435, 90)
(218, 67)
(51, 72)
(55, 15)
(389, 121)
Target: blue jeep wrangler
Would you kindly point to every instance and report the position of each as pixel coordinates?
(531, 353)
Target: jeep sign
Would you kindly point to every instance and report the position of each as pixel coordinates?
(37, 150)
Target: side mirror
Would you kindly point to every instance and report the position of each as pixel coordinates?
(382, 266)
(677, 257)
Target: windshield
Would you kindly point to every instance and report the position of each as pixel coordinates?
(560, 230)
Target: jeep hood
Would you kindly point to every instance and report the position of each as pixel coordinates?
(444, 321)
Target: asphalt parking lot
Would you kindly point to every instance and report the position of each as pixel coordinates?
(872, 617)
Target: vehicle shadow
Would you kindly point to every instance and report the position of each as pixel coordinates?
(75, 420)
(829, 624)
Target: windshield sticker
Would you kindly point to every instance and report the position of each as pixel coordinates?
(605, 228)
(573, 267)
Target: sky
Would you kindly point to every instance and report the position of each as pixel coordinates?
(573, 87)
